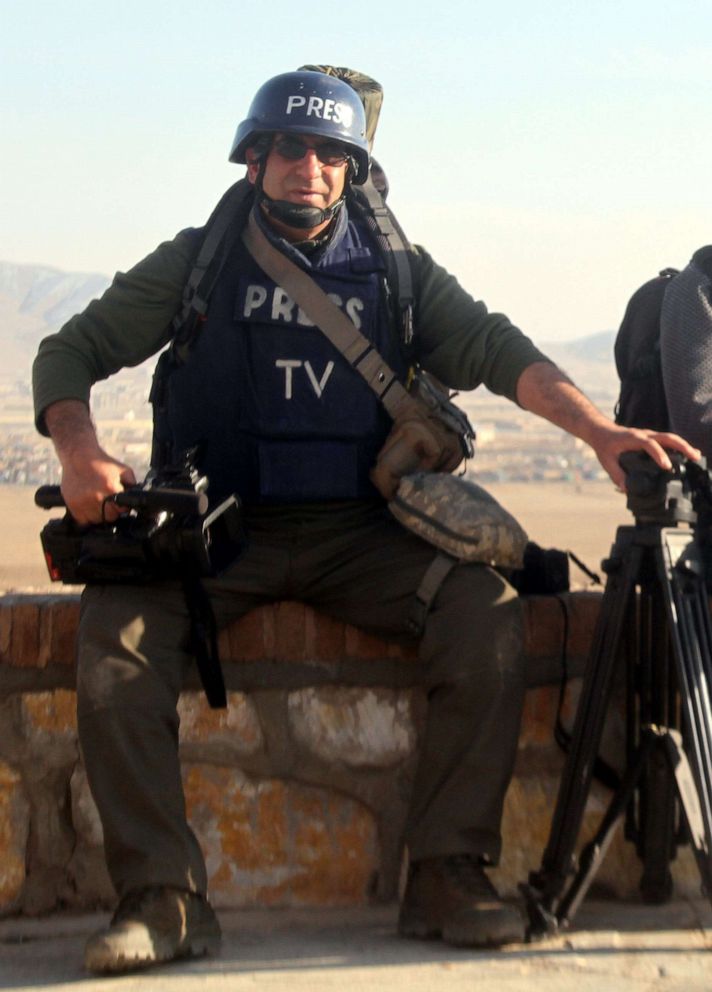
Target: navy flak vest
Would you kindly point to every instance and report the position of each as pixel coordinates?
(276, 412)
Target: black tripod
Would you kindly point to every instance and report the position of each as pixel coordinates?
(654, 620)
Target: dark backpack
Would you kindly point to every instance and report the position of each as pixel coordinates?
(641, 402)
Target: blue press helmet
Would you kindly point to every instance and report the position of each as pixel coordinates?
(307, 102)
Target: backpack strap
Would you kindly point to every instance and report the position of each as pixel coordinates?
(219, 235)
(395, 249)
(221, 232)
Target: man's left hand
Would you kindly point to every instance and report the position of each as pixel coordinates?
(610, 440)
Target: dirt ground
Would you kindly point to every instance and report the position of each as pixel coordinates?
(579, 518)
(22, 563)
(560, 515)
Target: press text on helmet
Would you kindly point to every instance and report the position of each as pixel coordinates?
(327, 110)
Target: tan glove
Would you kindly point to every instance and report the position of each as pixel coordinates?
(414, 445)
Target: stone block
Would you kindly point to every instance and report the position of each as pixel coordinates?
(25, 636)
(538, 717)
(269, 842)
(87, 868)
(543, 626)
(583, 611)
(50, 722)
(236, 729)
(49, 754)
(361, 644)
(541, 706)
(325, 637)
(85, 815)
(353, 727)
(64, 619)
(245, 639)
(14, 831)
(44, 637)
(289, 631)
(5, 630)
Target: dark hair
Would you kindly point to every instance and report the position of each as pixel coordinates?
(261, 146)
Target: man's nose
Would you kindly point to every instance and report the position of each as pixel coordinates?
(310, 165)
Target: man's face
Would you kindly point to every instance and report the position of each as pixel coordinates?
(304, 180)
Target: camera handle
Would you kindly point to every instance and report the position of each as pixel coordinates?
(181, 502)
(665, 641)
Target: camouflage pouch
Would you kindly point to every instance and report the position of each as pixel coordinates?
(460, 518)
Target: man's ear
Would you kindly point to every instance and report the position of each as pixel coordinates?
(253, 165)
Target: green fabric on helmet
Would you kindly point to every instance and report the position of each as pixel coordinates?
(369, 91)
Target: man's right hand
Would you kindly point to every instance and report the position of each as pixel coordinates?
(89, 474)
(87, 484)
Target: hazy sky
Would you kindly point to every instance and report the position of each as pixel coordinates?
(552, 155)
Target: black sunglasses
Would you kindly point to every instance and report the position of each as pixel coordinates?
(328, 153)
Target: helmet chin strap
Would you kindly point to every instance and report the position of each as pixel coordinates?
(298, 215)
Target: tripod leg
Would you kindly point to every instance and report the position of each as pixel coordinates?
(653, 818)
(662, 745)
(546, 886)
(691, 806)
(657, 828)
(698, 618)
(595, 851)
(691, 634)
(665, 745)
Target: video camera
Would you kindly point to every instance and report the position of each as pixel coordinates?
(166, 532)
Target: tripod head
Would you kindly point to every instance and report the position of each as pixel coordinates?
(667, 498)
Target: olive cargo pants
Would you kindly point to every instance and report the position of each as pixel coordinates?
(353, 562)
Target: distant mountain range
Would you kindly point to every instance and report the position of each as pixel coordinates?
(590, 363)
(36, 300)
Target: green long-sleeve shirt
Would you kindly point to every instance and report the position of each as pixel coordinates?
(457, 339)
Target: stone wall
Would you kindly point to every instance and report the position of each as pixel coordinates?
(298, 791)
